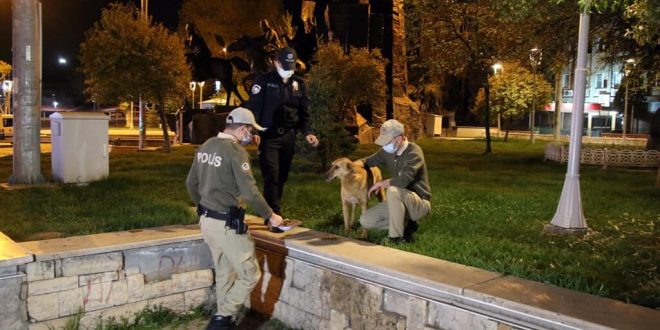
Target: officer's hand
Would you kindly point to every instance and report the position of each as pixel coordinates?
(311, 139)
(256, 139)
(275, 220)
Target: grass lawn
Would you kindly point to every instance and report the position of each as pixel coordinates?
(488, 212)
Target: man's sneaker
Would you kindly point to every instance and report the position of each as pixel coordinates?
(219, 322)
(410, 229)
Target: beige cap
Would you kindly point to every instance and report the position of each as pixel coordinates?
(243, 116)
(388, 131)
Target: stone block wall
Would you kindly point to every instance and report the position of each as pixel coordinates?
(310, 280)
(117, 284)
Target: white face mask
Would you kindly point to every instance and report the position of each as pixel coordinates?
(390, 148)
(285, 74)
(247, 138)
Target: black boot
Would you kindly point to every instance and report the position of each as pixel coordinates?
(410, 229)
(219, 322)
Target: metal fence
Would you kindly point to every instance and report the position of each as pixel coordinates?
(606, 157)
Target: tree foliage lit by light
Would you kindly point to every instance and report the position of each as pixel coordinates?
(124, 57)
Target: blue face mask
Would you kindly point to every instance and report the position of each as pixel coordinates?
(247, 138)
(390, 148)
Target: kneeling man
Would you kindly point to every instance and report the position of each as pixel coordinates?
(408, 190)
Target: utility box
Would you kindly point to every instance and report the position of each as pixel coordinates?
(79, 146)
(433, 125)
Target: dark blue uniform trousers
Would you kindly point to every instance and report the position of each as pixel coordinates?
(275, 156)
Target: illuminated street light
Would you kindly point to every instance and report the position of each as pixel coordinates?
(6, 92)
(193, 85)
(497, 69)
(61, 61)
(201, 89)
(535, 57)
(55, 104)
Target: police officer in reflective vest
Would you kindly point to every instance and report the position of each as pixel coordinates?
(220, 173)
(279, 102)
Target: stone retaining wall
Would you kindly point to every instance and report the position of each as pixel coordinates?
(310, 280)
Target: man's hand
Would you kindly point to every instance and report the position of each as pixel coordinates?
(256, 139)
(275, 220)
(311, 139)
(380, 184)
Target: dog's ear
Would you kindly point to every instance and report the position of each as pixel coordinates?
(350, 166)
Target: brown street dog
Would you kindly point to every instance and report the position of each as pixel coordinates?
(355, 183)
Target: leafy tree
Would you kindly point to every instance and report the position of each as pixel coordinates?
(338, 83)
(5, 70)
(514, 92)
(124, 58)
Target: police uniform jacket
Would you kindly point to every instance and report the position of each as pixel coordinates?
(277, 105)
(220, 173)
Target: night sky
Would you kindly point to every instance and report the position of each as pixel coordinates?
(64, 25)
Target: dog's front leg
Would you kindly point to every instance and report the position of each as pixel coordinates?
(363, 207)
(345, 210)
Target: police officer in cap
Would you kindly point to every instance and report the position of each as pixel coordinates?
(279, 102)
(219, 174)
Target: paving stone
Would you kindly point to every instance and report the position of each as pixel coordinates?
(43, 307)
(40, 270)
(70, 301)
(338, 320)
(52, 285)
(97, 296)
(8, 271)
(395, 302)
(98, 278)
(173, 302)
(91, 319)
(193, 280)
(97, 263)
(159, 262)
(448, 317)
(119, 292)
(195, 298)
(13, 313)
(416, 315)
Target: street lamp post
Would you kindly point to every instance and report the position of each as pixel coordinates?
(569, 216)
(6, 91)
(193, 86)
(535, 56)
(201, 89)
(497, 68)
(626, 72)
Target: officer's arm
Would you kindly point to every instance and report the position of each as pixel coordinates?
(192, 183)
(303, 111)
(247, 185)
(256, 101)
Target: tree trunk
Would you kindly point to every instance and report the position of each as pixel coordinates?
(556, 134)
(487, 116)
(26, 60)
(163, 124)
(506, 136)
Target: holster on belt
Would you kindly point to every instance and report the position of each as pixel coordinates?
(237, 220)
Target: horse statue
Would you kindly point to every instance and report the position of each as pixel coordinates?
(261, 51)
(204, 67)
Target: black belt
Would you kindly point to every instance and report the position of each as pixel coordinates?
(201, 210)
